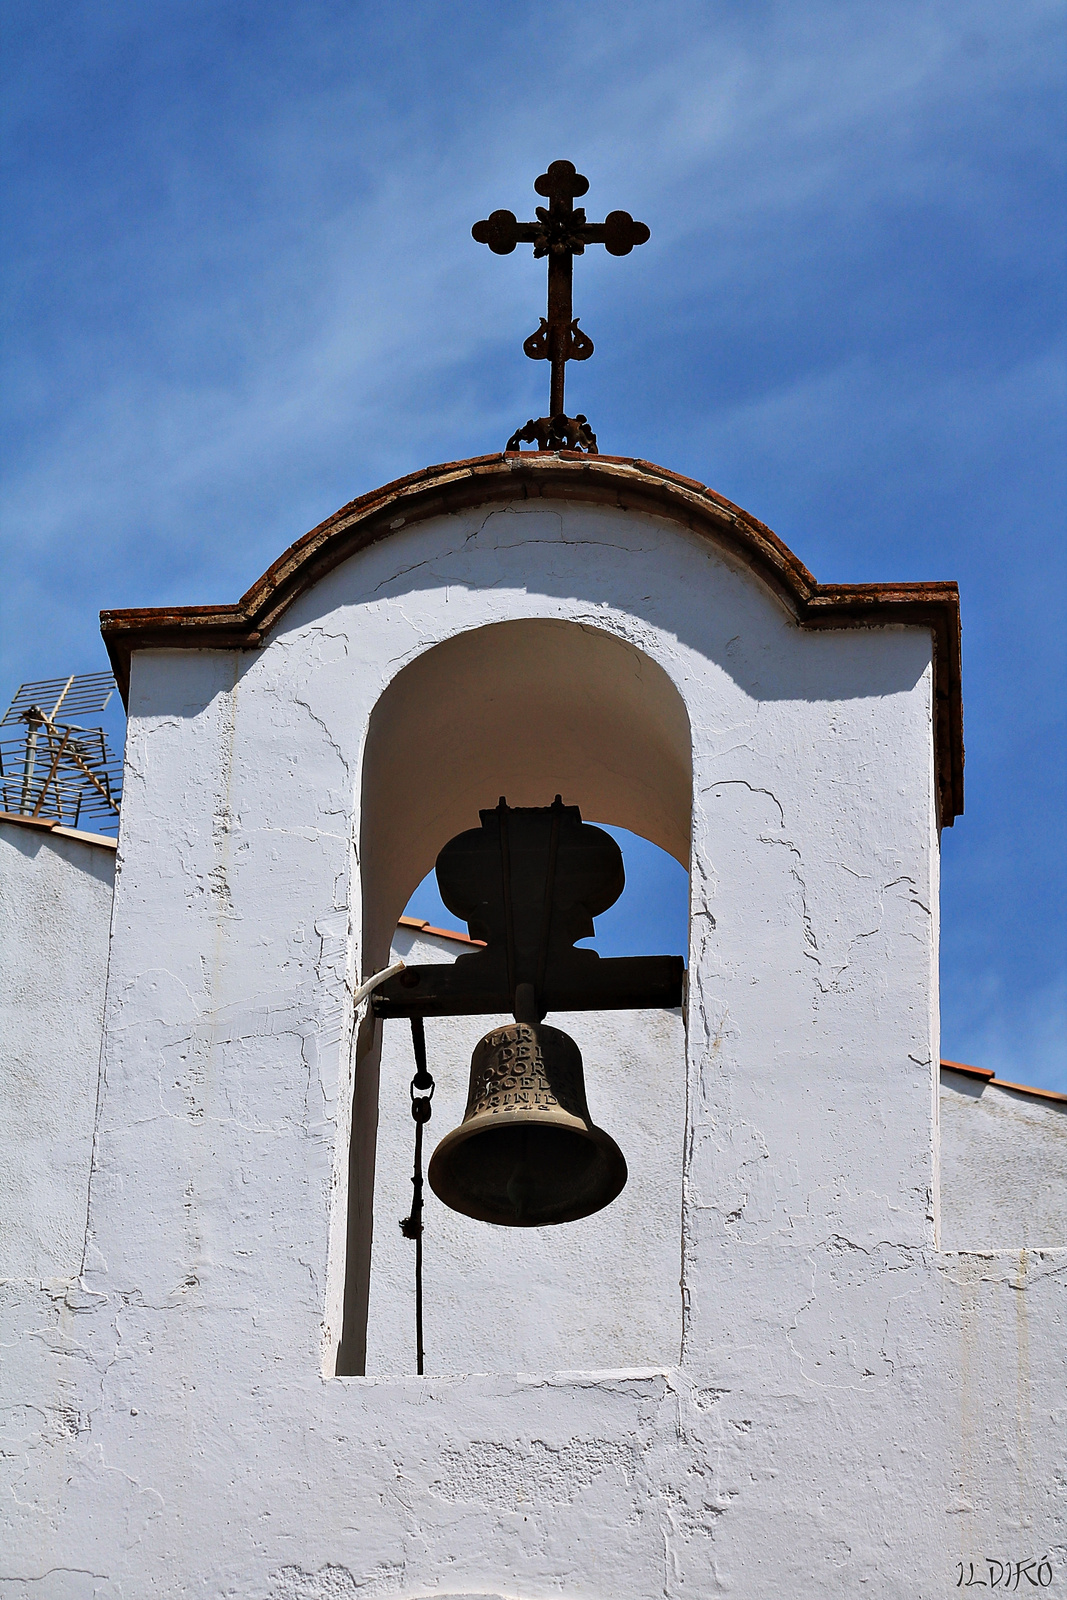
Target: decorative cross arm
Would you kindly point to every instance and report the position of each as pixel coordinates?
(618, 233)
(559, 232)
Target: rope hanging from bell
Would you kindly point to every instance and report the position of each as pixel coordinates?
(421, 1091)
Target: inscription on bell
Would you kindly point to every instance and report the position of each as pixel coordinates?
(520, 1067)
(527, 1153)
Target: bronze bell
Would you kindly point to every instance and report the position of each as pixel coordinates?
(526, 1153)
(528, 883)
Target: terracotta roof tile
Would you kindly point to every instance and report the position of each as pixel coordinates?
(439, 933)
(1002, 1083)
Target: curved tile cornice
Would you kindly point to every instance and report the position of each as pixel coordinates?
(631, 484)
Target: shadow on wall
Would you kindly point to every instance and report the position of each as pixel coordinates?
(838, 661)
(97, 861)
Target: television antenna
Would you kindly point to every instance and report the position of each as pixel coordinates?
(53, 769)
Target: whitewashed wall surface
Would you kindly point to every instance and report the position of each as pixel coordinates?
(784, 1366)
(55, 913)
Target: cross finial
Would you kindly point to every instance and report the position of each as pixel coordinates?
(562, 182)
(560, 233)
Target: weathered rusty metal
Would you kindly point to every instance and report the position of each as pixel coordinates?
(560, 232)
(556, 433)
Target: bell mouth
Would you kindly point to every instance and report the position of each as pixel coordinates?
(527, 1175)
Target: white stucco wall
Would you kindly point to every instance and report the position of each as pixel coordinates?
(1003, 1167)
(852, 1410)
(55, 914)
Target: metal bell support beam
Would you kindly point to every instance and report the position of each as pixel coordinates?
(529, 882)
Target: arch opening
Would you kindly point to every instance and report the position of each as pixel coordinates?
(526, 709)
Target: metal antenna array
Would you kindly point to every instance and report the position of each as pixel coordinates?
(53, 769)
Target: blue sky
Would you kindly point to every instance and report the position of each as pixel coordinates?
(241, 289)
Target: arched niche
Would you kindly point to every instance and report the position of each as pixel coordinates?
(529, 709)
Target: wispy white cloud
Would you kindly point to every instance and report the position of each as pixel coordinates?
(336, 328)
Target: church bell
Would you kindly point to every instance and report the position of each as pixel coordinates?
(527, 1152)
(528, 882)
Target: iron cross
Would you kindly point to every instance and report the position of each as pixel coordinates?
(560, 233)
